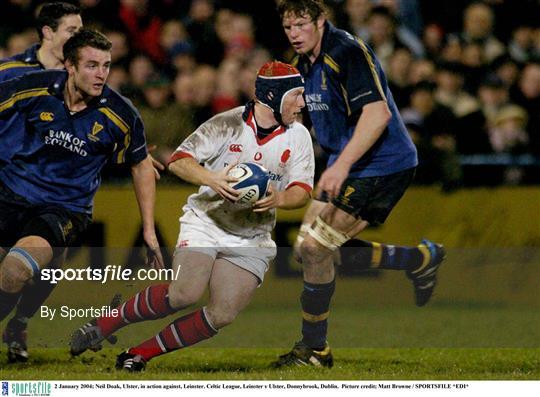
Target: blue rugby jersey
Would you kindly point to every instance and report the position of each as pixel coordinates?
(10, 68)
(346, 76)
(20, 64)
(62, 154)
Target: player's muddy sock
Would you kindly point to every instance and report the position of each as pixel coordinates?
(149, 304)
(315, 301)
(183, 332)
(7, 303)
(362, 254)
(33, 297)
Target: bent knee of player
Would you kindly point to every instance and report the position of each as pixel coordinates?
(182, 296)
(312, 251)
(13, 275)
(221, 315)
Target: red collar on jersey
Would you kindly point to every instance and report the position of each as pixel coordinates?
(251, 123)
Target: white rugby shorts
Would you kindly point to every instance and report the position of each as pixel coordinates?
(252, 254)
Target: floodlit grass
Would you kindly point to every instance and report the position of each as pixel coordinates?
(253, 364)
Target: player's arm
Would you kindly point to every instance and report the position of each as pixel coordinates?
(365, 95)
(144, 184)
(370, 126)
(290, 199)
(188, 169)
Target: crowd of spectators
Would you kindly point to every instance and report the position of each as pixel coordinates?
(465, 74)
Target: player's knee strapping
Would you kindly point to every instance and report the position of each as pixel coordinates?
(315, 301)
(25, 258)
(326, 235)
(304, 227)
(9, 298)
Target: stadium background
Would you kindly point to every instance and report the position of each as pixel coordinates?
(469, 94)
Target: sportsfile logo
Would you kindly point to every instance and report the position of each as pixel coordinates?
(5, 388)
(29, 389)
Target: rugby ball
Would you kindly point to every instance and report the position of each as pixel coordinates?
(252, 184)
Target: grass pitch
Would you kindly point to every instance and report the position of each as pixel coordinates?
(253, 364)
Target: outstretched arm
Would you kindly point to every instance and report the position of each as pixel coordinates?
(144, 184)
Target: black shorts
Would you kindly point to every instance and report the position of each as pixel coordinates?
(20, 218)
(372, 198)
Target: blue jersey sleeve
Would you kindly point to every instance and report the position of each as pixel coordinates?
(18, 93)
(9, 98)
(133, 150)
(362, 81)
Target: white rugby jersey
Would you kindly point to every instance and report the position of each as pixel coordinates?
(231, 138)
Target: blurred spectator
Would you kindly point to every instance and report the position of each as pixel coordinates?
(420, 70)
(19, 42)
(493, 95)
(140, 70)
(408, 23)
(241, 39)
(182, 58)
(474, 66)
(200, 23)
(506, 69)
(470, 131)
(166, 123)
(508, 135)
(120, 48)
(478, 24)
(118, 78)
(527, 95)
(184, 91)
(227, 86)
(523, 46)
(354, 16)
(451, 51)
(172, 33)
(432, 127)
(143, 27)
(382, 35)
(398, 76)
(409, 13)
(248, 73)
(204, 80)
(450, 92)
(433, 40)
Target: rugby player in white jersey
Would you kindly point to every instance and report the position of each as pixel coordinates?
(223, 246)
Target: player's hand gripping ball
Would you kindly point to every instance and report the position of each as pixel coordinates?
(252, 184)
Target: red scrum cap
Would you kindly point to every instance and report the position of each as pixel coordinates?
(274, 81)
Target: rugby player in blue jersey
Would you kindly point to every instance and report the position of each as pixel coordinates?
(55, 24)
(371, 162)
(73, 124)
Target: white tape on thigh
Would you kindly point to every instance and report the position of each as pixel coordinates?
(327, 235)
(302, 233)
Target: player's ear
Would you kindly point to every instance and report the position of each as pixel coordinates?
(47, 32)
(70, 67)
(320, 21)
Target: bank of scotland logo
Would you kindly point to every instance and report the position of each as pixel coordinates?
(5, 388)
